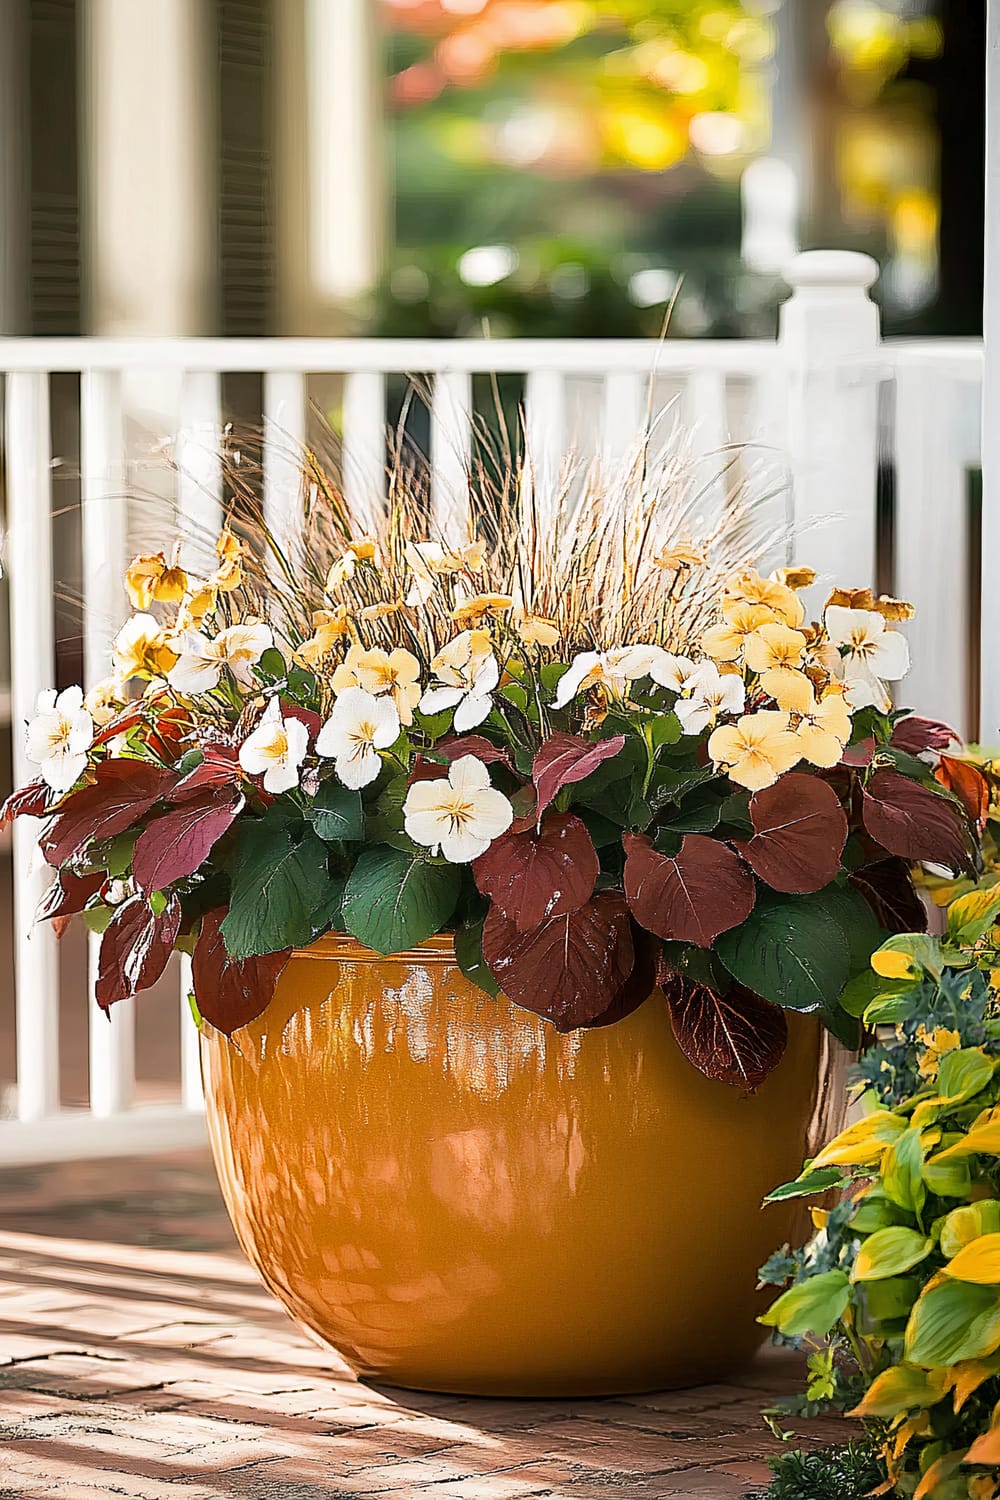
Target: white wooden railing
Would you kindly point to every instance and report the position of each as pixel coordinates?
(839, 415)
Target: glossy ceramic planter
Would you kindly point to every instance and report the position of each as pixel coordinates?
(458, 1198)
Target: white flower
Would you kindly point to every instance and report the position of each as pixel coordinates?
(59, 737)
(201, 662)
(871, 656)
(469, 671)
(706, 693)
(459, 815)
(275, 750)
(359, 726)
(613, 670)
(671, 671)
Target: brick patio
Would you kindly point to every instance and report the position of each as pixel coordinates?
(139, 1357)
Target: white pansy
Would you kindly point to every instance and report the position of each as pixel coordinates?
(870, 655)
(671, 671)
(275, 750)
(468, 672)
(201, 661)
(459, 815)
(59, 737)
(613, 670)
(705, 694)
(359, 726)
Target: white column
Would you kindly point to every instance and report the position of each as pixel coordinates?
(148, 132)
(989, 725)
(829, 334)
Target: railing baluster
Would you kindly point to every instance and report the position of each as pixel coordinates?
(364, 447)
(199, 467)
(451, 455)
(625, 412)
(931, 543)
(105, 545)
(706, 417)
(285, 413)
(545, 438)
(32, 653)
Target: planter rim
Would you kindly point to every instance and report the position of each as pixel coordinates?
(334, 947)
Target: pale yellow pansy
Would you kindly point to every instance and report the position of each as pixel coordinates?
(748, 587)
(756, 750)
(378, 672)
(141, 649)
(724, 642)
(149, 578)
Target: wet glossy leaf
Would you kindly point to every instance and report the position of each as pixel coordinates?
(231, 992)
(281, 878)
(533, 874)
(704, 890)
(394, 899)
(175, 845)
(66, 896)
(888, 887)
(567, 758)
(336, 813)
(915, 734)
(478, 745)
(638, 986)
(27, 801)
(122, 793)
(735, 1038)
(792, 950)
(911, 820)
(135, 948)
(569, 967)
(800, 830)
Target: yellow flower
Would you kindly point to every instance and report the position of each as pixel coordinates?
(937, 1043)
(229, 574)
(228, 548)
(148, 578)
(379, 672)
(725, 642)
(750, 588)
(794, 578)
(365, 549)
(141, 649)
(472, 611)
(328, 628)
(428, 559)
(775, 652)
(889, 608)
(382, 611)
(196, 605)
(535, 630)
(756, 750)
(824, 728)
(104, 701)
(684, 555)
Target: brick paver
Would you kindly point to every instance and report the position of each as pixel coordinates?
(139, 1357)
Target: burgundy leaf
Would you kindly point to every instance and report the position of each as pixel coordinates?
(533, 874)
(565, 758)
(128, 717)
(123, 790)
(915, 735)
(968, 784)
(231, 992)
(888, 887)
(639, 985)
(134, 949)
(472, 744)
(31, 801)
(735, 1038)
(426, 770)
(859, 754)
(909, 819)
(307, 716)
(567, 968)
(174, 846)
(67, 895)
(220, 768)
(703, 890)
(800, 830)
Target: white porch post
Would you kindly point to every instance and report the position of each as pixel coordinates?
(989, 721)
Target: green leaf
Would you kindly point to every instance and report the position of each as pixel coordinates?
(791, 950)
(97, 918)
(469, 952)
(963, 1073)
(665, 730)
(814, 1306)
(952, 1321)
(394, 900)
(876, 1212)
(118, 860)
(968, 1223)
(669, 785)
(858, 923)
(885, 1302)
(888, 1252)
(810, 1182)
(866, 988)
(700, 814)
(902, 1171)
(281, 879)
(336, 814)
(948, 1179)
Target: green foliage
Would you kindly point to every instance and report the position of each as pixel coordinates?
(902, 1280)
(828, 1474)
(394, 899)
(280, 885)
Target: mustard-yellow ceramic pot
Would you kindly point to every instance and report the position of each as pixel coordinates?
(459, 1198)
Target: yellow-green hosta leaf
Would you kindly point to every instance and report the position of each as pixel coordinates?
(906, 954)
(901, 1388)
(970, 1375)
(941, 1480)
(982, 1139)
(952, 1321)
(890, 1251)
(978, 1261)
(874, 1212)
(864, 1143)
(947, 1179)
(970, 915)
(968, 1223)
(902, 1171)
(963, 1074)
(814, 1306)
